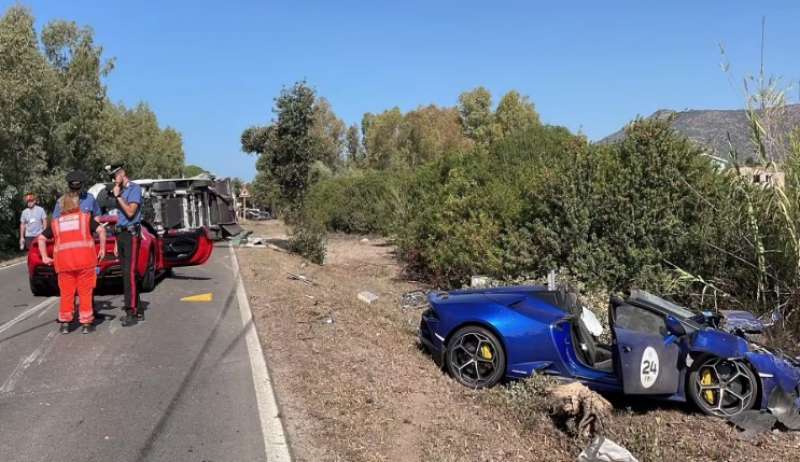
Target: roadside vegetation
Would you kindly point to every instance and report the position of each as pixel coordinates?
(479, 189)
(56, 116)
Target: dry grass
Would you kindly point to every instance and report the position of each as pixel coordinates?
(353, 384)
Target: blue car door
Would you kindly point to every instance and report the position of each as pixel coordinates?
(647, 358)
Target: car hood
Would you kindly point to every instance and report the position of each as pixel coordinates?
(742, 321)
(502, 295)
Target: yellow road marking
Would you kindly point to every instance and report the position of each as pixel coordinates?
(199, 298)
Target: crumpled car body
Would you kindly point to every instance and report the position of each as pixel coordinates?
(657, 348)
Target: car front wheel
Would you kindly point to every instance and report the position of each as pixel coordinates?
(723, 387)
(149, 278)
(475, 357)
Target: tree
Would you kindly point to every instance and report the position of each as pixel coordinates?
(514, 113)
(475, 110)
(382, 137)
(354, 150)
(55, 115)
(328, 132)
(286, 147)
(193, 170)
(430, 132)
(134, 138)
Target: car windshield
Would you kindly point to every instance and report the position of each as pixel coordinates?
(650, 299)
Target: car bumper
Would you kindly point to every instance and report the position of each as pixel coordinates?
(46, 274)
(432, 341)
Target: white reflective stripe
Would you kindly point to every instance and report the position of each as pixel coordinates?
(73, 245)
(69, 223)
(765, 375)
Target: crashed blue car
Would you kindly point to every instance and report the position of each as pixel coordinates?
(657, 348)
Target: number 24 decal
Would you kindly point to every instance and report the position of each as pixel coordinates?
(649, 367)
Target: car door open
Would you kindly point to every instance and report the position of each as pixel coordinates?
(186, 247)
(646, 356)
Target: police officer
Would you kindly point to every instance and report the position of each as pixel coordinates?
(76, 181)
(128, 198)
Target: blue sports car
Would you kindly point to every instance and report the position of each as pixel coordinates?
(482, 336)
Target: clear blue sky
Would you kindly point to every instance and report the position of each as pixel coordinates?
(211, 69)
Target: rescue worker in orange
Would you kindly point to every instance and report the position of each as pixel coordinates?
(74, 255)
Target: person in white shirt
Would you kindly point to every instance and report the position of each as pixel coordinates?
(31, 223)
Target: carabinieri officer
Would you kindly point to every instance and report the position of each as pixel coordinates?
(128, 198)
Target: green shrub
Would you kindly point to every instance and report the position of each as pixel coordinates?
(546, 199)
(357, 202)
(615, 216)
(308, 239)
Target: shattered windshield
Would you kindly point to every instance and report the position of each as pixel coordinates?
(676, 310)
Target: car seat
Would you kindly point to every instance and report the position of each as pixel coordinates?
(593, 354)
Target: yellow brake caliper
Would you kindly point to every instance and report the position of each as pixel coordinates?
(486, 352)
(705, 379)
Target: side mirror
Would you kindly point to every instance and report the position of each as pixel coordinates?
(674, 327)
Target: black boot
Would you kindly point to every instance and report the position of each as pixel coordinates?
(129, 319)
(87, 329)
(64, 329)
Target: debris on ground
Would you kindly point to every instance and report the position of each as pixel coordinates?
(301, 278)
(753, 422)
(246, 239)
(367, 297)
(479, 282)
(582, 411)
(603, 449)
(276, 248)
(414, 300)
(364, 241)
(781, 409)
(240, 239)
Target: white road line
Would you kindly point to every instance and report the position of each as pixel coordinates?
(277, 449)
(42, 313)
(24, 363)
(27, 313)
(12, 265)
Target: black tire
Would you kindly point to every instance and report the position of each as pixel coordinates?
(722, 387)
(41, 288)
(468, 360)
(149, 278)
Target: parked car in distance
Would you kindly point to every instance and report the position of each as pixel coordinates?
(256, 214)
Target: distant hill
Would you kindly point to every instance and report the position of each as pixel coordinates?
(710, 129)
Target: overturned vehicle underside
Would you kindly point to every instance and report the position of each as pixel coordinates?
(183, 203)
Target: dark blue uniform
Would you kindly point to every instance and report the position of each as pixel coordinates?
(128, 244)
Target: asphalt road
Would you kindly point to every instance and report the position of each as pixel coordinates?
(177, 387)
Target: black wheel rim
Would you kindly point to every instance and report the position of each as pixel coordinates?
(724, 387)
(474, 359)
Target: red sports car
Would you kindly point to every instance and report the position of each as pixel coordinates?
(158, 254)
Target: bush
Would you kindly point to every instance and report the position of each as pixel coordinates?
(650, 211)
(309, 240)
(356, 202)
(546, 199)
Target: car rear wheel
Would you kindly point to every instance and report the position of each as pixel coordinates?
(723, 387)
(41, 288)
(149, 278)
(475, 357)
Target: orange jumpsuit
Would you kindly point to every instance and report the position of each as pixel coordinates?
(75, 260)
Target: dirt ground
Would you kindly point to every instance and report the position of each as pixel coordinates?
(354, 385)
